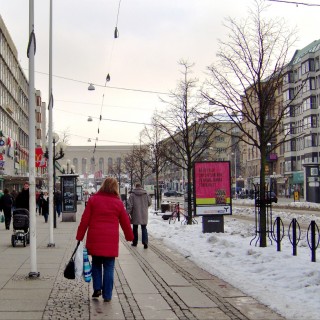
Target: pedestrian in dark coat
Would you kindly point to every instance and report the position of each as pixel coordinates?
(58, 202)
(22, 200)
(6, 205)
(40, 200)
(101, 218)
(45, 206)
(138, 204)
(14, 194)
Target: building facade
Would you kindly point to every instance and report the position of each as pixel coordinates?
(300, 93)
(91, 164)
(302, 82)
(14, 114)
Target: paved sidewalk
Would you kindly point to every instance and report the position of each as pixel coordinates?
(156, 283)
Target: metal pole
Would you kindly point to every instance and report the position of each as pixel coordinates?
(32, 194)
(54, 185)
(50, 138)
(235, 169)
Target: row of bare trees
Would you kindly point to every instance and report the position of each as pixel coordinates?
(243, 84)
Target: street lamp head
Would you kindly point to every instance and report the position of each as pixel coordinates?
(91, 87)
(61, 146)
(55, 137)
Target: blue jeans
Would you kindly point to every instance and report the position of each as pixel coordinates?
(58, 209)
(144, 233)
(108, 273)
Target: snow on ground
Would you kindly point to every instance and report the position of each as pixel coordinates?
(288, 284)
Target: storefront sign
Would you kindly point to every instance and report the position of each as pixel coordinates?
(212, 188)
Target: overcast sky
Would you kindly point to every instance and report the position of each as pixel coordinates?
(153, 36)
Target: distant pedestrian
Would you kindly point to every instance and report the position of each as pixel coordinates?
(100, 219)
(86, 198)
(22, 200)
(39, 202)
(138, 204)
(45, 206)
(58, 202)
(6, 203)
(14, 195)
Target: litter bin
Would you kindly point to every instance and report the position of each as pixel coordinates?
(165, 207)
(212, 224)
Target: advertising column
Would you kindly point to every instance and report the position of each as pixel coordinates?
(212, 193)
(312, 183)
(69, 197)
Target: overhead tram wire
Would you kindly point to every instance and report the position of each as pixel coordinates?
(107, 119)
(102, 140)
(103, 86)
(296, 3)
(98, 104)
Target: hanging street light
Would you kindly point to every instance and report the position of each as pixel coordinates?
(91, 87)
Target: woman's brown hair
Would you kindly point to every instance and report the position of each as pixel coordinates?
(110, 185)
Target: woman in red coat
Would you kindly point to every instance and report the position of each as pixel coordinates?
(101, 219)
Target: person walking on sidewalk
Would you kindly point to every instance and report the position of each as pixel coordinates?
(45, 206)
(22, 200)
(58, 202)
(6, 203)
(138, 204)
(100, 220)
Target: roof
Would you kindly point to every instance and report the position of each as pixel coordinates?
(298, 55)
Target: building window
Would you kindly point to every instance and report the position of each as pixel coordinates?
(76, 165)
(310, 141)
(84, 165)
(288, 94)
(110, 165)
(316, 63)
(101, 165)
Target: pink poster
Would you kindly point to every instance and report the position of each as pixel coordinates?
(212, 183)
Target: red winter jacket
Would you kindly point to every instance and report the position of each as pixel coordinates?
(101, 218)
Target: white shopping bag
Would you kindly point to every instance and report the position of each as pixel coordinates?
(78, 261)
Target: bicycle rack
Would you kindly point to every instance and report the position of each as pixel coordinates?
(257, 216)
(294, 240)
(280, 232)
(313, 227)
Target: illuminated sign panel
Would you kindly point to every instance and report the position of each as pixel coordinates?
(212, 188)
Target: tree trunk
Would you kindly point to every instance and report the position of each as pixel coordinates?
(263, 209)
(189, 172)
(157, 195)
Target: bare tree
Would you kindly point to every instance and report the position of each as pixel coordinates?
(152, 137)
(186, 126)
(137, 164)
(245, 82)
(129, 165)
(65, 136)
(117, 170)
(141, 154)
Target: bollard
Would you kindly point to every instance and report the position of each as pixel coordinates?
(294, 240)
(280, 232)
(313, 244)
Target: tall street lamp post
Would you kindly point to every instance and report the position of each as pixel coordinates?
(58, 153)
